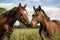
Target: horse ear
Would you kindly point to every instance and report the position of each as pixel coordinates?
(19, 7)
(34, 7)
(19, 4)
(25, 5)
(39, 7)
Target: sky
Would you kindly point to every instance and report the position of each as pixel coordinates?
(51, 7)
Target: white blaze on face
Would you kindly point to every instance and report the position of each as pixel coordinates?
(24, 11)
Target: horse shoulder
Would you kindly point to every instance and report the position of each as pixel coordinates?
(2, 19)
(53, 28)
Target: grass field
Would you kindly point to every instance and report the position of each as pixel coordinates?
(27, 34)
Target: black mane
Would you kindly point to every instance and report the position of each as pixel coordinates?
(11, 13)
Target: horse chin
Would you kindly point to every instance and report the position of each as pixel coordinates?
(32, 25)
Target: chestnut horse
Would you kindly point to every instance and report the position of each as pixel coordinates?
(50, 27)
(8, 19)
(57, 22)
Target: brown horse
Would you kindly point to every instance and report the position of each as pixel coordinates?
(50, 27)
(8, 19)
(57, 22)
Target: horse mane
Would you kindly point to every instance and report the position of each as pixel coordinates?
(11, 13)
(48, 19)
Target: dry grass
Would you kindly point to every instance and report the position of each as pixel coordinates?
(28, 34)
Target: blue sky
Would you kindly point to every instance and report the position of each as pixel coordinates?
(49, 3)
(51, 7)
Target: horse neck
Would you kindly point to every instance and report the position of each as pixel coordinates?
(12, 23)
(44, 22)
(11, 16)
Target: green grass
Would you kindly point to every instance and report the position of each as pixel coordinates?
(27, 34)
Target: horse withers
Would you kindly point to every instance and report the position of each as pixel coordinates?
(46, 25)
(8, 19)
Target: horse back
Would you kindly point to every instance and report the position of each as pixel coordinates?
(57, 22)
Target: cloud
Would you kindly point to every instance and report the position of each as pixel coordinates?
(30, 12)
(8, 6)
(49, 0)
(57, 4)
(52, 12)
(32, 0)
(36, 0)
